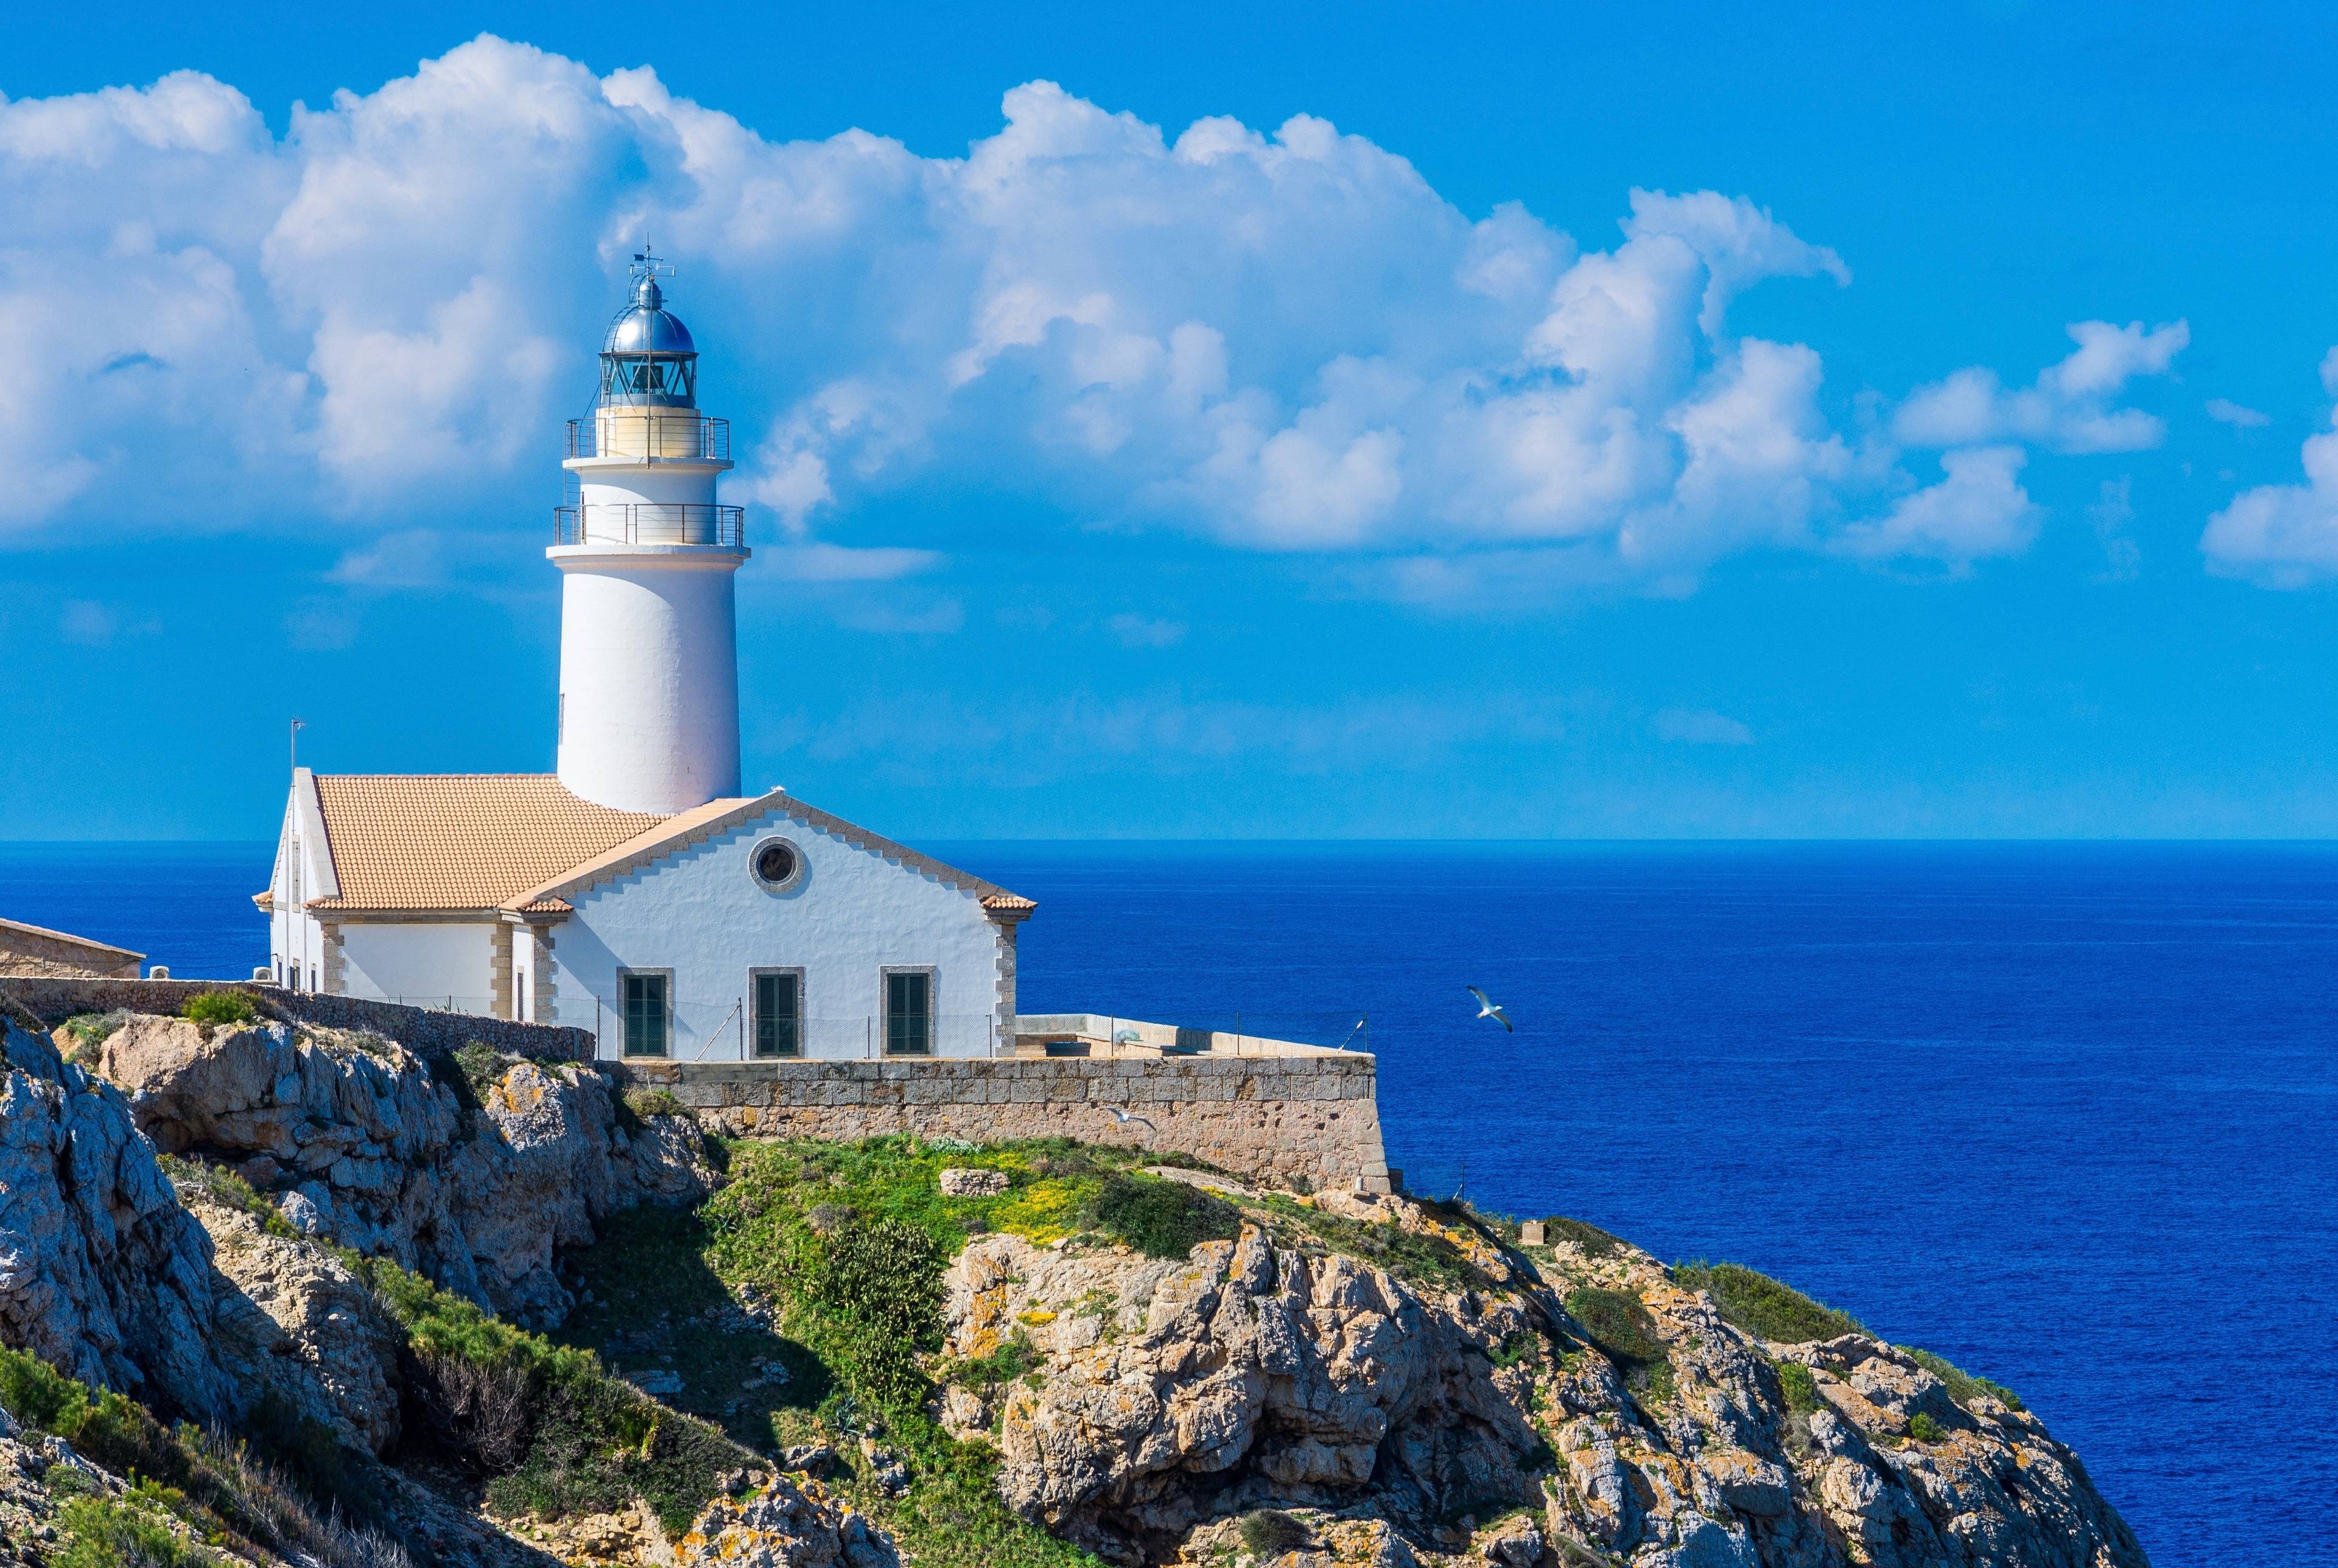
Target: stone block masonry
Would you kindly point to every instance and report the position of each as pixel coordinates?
(1285, 1119)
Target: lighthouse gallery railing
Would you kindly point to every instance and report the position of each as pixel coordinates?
(651, 435)
(649, 522)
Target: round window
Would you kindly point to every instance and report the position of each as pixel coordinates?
(777, 863)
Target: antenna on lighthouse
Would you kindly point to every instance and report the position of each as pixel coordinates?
(297, 725)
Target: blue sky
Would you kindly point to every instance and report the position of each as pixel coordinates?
(1350, 421)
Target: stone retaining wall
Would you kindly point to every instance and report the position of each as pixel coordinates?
(424, 1031)
(1278, 1119)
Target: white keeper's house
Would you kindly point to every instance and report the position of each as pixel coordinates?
(635, 891)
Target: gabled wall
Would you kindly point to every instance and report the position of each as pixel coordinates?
(699, 914)
(297, 942)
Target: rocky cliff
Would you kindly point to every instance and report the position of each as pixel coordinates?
(1458, 1406)
(1034, 1355)
(472, 1176)
(101, 1272)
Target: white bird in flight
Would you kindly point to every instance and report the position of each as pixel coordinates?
(1489, 1008)
(1124, 1118)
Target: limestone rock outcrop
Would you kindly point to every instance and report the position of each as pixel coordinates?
(292, 1323)
(783, 1525)
(101, 1272)
(362, 1143)
(1412, 1416)
(1248, 1376)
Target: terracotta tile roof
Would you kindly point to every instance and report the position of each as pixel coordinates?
(662, 836)
(424, 841)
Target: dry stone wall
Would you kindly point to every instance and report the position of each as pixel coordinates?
(424, 1031)
(1274, 1118)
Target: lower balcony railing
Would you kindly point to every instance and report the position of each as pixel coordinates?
(649, 522)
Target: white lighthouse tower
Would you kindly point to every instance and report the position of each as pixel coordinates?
(649, 654)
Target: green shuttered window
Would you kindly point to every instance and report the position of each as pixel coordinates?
(908, 1014)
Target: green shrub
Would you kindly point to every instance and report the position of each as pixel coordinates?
(1801, 1389)
(211, 1484)
(644, 1104)
(1619, 1322)
(1963, 1387)
(1922, 1428)
(1595, 1242)
(130, 1532)
(1009, 1359)
(1420, 1260)
(881, 1284)
(213, 1008)
(87, 1033)
(1519, 1346)
(552, 1431)
(1762, 1306)
(482, 1067)
(1270, 1532)
(1162, 1218)
(228, 1188)
(111, 1430)
(37, 1394)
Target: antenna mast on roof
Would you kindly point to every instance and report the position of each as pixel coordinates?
(297, 725)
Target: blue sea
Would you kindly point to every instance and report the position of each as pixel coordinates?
(2065, 1114)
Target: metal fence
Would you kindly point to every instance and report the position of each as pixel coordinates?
(1240, 1034)
(481, 1006)
(705, 1032)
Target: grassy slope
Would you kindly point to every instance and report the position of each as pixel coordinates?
(666, 1287)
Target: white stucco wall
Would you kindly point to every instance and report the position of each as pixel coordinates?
(848, 916)
(649, 674)
(422, 964)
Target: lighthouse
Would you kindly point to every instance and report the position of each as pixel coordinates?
(649, 653)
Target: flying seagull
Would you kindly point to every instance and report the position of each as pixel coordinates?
(1489, 1008)
(1124, 1118)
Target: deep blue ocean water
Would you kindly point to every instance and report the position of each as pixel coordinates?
(2065, 1114)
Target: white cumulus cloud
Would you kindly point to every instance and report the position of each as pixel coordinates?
(2284, 535)
(1280, 339)
(1979, 508)
(2071, 406)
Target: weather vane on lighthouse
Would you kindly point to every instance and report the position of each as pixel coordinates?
(647, 266)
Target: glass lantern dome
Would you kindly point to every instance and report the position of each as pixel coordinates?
(648, 359)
